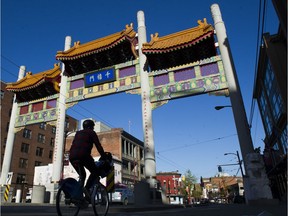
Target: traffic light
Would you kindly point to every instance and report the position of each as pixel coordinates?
(201, 182)
(219, 169)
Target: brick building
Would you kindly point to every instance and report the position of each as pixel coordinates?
(270, 91)
(33, 144)
(223, 188)
(170, 183)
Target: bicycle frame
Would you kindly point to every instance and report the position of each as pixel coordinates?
(70, 197)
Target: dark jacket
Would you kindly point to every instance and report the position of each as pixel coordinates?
(83, 144)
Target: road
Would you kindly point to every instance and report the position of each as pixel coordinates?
(164, 210)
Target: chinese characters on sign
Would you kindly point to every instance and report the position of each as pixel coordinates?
(99, 77)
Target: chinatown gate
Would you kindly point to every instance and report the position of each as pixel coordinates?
(181, 64)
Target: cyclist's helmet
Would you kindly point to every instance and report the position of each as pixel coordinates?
(88, 124)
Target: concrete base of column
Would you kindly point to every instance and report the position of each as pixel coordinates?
(145, 195)
(2, 192)
(38, 194)
(256, 182)
(52, 189)
(142, 194)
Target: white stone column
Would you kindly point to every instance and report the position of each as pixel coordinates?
(10, 136)
(256, 183)
(60, 124)
(149, 157)
(60, 132)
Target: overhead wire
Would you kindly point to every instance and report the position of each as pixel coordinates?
(260, 30)
(72, 108)
(197, 143)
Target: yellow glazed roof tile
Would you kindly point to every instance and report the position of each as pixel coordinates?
(182, 38)
(80, 50)
(32, 81)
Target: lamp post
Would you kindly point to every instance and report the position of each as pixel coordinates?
(221, 107)
(239, 161)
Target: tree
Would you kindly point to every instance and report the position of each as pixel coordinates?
(188, 183)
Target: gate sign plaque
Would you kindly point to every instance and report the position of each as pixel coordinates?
(99, 77)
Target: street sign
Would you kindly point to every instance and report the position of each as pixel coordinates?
(99, 77)
(9, 178)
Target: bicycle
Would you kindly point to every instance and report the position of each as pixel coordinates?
(70, 199)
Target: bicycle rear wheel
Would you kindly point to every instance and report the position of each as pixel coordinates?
(64, 204)
(100, 200)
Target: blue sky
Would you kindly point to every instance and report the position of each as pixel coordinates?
(188, 133)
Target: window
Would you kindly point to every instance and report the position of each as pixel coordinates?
(38, 163)
(53, 130)
(283, 139)
(24, 147)
(42, 125)
(21, 178)
(23, 163)
(2, 94)
(52, 141)
(125, 165)
(39, 151)
(50, 154)
(41, 138)
(4, 144)
(27, 133)
(66, 124)
(273, 93)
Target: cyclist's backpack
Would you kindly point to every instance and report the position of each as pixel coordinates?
(105, 164)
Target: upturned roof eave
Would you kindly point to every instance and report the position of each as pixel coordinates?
(182, 38)
(32, 81)
(98, 45)
(176, 47)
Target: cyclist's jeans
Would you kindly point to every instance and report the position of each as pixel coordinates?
(89, 163)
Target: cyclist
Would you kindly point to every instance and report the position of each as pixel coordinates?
(81, 151)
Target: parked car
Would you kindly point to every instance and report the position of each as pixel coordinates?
(124, 196)
(28, 198)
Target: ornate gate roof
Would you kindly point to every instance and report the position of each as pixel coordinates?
(180, 48)
(36, 86)
(104, 52)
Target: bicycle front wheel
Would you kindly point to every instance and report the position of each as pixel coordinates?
(64, 204)
(100, 200)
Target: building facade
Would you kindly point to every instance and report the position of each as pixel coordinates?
(170, 184)
(223, 187)
(127, 150)
(271, 95)
(33, 144)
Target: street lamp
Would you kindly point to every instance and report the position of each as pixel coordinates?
(221, 107)
(239, 161)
